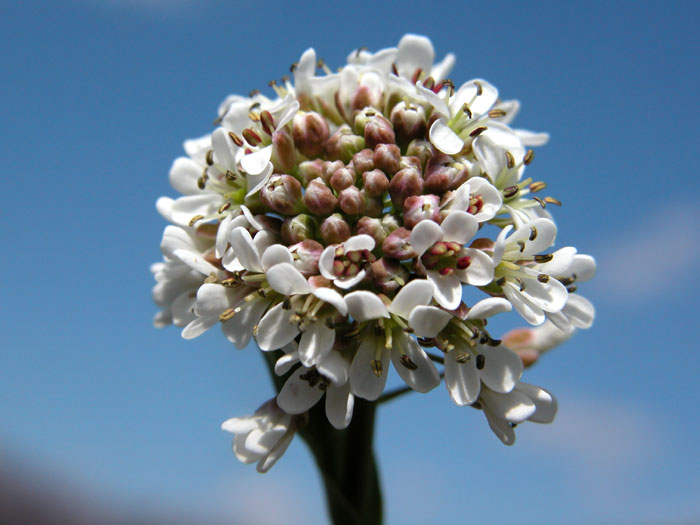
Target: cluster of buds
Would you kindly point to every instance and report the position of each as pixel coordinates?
(339, 223)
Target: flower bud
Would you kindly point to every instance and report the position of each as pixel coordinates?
(409, 122)
(398, 245)
(403, 184)
(390, 223)
(411, 162)
(284, 156)
(375, 183)
(342, 178)
(374, 206)
(351, 201)
(443, 173)
(334, 229)
(343, 144)
(319, 198)
(387, 157)
(329, 168)
(373, 227)
(298, 229)
(378, 131)
(282, 194)
(366, 96)
(388, 275)
(310, 131)
(306, 255)
(309, 170)
(421, 149)
(363, 161)
(420, 207)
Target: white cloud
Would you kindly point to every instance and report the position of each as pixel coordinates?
(662, 250)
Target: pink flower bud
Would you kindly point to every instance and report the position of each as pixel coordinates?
(329, 168)
(298, 229)
(442, 173)
(363, 161)
(422, 149)
(378, 130)
(343, 144)
(403, 184)
(310, 131)
(388, 275)
(319, 198)
(409, 122)
(420, 207)
(366, 96)
(306, 255)
(282, 194)
(409, 161)
(373, 227)
(283, 153)
(342, 178)
(398, 246)
(387, 157)
(309, 170)
(334, 229)
(375, 183)
(351, 201)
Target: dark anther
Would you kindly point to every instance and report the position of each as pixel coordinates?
(480, 361)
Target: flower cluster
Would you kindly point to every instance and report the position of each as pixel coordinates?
(339, 222)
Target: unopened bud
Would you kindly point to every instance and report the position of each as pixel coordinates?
(282, 194)
(375, 183)
(329, 168)
(378, 131)
(363, 161)
(306, 255)
(309, 170)
(390, 223)
(334, 229)
(388, 275)
(366, 96)
(409, 122)
(342, 178)
(403, 184)
(298, 229)
(283, 152)
(421, 207)
(443, 173)
(373, 227)
(351, 201)
(398, 246)
(310, 132)
(387, 157)
(422, 149)
(343, 144)
(319, 198)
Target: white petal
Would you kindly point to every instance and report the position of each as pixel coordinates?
(316, 342)
(164, 205)
(196, 262)
(256, 162)
(256, 182)
(530, 312)
(550, 296)
(492, 200)
(502, 368)
(459, 226)
(285, 363)
(184, 174)
(363, 306)
(330, 296)
(580, 311)
(239, 330)
(268, 461)
(348, 282)
(444, 139)
(339, 405)
(223, 149)
(365, 383)
(489, 307)
(485, 101)
(537, 236)
(198, 326)
(443, 68)
(545, 403)
(275, 330)
(276, 254)
(462, 380)
(583, 267)
(212, 299)
(239, 425)
(414, 52)
(245, 249)
(562, 259)
(359, 242)
(492, 158)
(296, 395)
(185, 208)
(438, 103)
(499, 247)
(335, 368)
(325, 262)
(428, 321)
(415, 293)
(532, 138)
(480, 270)
(425, 377)
(501, 428)
(514, 407)
(287, 280)
(448, 289)
(424, 235)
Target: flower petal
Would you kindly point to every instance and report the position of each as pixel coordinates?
(414, 52)
(580, 311)
(489, 307)
(348, 282)
(415, 293)
(239, 329)
(297, 395)
(339, 405)
(275, 330)
(364, 305)
(444, 139)
(531, 313)
(424, 377)
(545, 403)
(184, 174)
(424, 235)
(244, 248)
(461, 379)
(459, 226)
(428, 321)
(330, 296)
(316, 342)
(502, 368)
(256, 162)
(359, 242)
(286, 279)
(276, 254)
(448, 289)
(365, 383)
(325, 262)
(480, 270)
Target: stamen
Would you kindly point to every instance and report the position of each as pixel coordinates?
(251, 137)
(495, 113)
(408, 363)
(480, 361)
(544, 258)
(466, 110)
(510, 191)
(236, 139)
(268, 123)
(479, 89)
(510, 160)
(528, 157)
(225, 206)
(195, 219)
(210, 157)
(543, 278)
(227, 314)
(552, 200)
(376, 365)
(478, 131)
(540, 202)
(463, 357)
(533, 233)
(538, 186)
(230, 176)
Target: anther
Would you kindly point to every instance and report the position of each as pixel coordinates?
(495, 113)
(227, 314)
(253, 93)
(225, 206)
(538, 186)
(544, 258)
(329, 323)
(501, 281)
(528, 157)
(522, 246)
(261, 292)
(393, 66)
(251, 137)
(293, 67)
(510, 191)
(552, 200)
(493, 342)
(236, 139)
(286, 303)
(210, 157)
(466, 110)
(533, 233)
(478, 131)
(230, 176)
(479, 89)
(566, 281)
(522, 285)
(268, 123)
(211, 279)
(463, 357)
(540, 202)
(195, 219)
(408, 363)
(201, 182)
(510, 160)
(376, 365)
(229, 283)
(480, 361)
(571, 289)
(543, 278)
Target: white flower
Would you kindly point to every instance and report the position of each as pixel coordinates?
(477, 197)
(262, 437)
(447, 261)
(343, 264)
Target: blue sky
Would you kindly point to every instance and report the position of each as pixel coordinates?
(96, 99)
